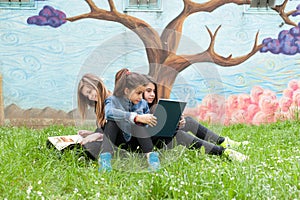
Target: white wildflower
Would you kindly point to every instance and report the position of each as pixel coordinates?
(28, 191)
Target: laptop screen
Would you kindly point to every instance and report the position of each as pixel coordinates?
(168, 113)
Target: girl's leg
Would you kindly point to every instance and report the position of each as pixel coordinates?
(146, 144)
(219, 150)
(143, 138)
(193, 142)
(163, 142)
(111, 131)
(181, 138)
(190, 141)
(201, 131)
(209, 147)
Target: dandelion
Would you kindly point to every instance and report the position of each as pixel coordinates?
(75, 190)
(28, 191)
(279, 161)
(140, 182)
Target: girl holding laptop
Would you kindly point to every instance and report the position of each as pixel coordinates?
(213, 143)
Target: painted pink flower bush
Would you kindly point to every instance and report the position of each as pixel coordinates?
(259, 107)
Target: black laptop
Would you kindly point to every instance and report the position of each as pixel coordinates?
(168, 113)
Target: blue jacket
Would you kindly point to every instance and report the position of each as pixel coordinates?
(123, 111)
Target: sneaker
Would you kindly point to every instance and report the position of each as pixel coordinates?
(153, 161)
(104, 162)
(228, 143)
(235, 156)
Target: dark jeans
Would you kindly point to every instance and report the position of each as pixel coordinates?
(192, 142)
(202, 137)
(140, 142)
(201, 131)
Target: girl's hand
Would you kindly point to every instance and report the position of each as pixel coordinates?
(84, 133)
(182, 122)
(149, 119)
(92, 137)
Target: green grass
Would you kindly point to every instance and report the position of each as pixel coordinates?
(28, 169)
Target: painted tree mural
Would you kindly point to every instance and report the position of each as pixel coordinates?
(164, 62)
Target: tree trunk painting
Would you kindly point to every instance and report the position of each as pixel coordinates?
(164, 63)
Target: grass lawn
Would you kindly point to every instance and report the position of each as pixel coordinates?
(30, 170)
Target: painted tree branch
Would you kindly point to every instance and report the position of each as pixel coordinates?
(180, 62)
(140, 27)
(172, 34)
(285, 16)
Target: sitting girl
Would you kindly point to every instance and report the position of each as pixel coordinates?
(127, 115)
(213, 143)
(91, 92)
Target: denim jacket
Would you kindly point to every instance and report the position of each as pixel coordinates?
(123, 111)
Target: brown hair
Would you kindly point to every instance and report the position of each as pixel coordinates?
(151, 80)
(93, 82)
(126, 79)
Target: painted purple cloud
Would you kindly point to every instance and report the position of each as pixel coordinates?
(297, 12)
(48, 16)
(288, 42)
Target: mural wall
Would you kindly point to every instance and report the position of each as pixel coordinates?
(41, 65)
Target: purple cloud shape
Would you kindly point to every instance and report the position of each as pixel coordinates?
(48, 16)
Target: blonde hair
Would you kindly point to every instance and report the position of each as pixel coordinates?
(93, 82)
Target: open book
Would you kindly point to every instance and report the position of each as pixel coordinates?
(62, 142)
(69, 142)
